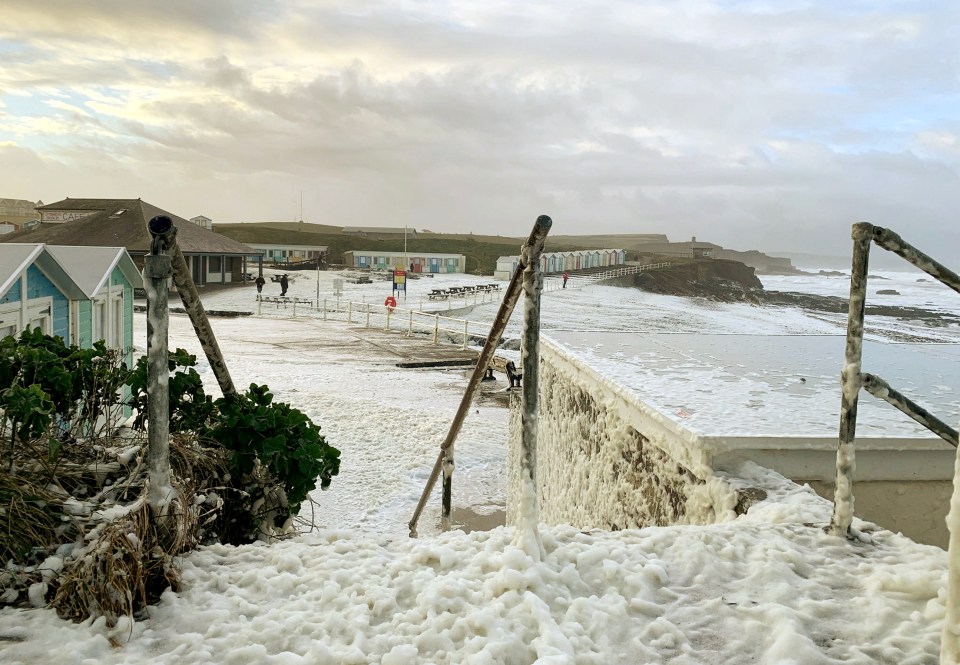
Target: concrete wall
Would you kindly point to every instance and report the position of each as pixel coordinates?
(605, 461)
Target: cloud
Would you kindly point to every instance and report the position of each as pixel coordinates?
(751, 124)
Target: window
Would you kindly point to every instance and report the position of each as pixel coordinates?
(9, 319)
(99, 322)
(215, 262)
(116, 340)
(39, 315)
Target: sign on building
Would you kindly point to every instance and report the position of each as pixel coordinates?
(64, 215)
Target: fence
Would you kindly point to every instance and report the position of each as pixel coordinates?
(553, 282)
(382, 317)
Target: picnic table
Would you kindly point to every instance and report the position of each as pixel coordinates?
(438, 294)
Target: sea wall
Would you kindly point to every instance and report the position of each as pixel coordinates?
(605, 460)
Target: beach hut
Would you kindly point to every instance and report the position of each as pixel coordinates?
(35, 292)
(81, 294)
(106, 277)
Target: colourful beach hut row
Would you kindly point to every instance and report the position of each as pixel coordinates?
(81, 294)
(556, 262)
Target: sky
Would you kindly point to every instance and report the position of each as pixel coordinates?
(752, 124)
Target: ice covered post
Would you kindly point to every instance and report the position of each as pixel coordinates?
(445, 459)
(194, 308)
(528, 528)
(157, 270)
(950, 637)
(851, 381)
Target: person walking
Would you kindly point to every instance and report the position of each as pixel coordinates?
(566, 276)
(284, 284)
(260, 281)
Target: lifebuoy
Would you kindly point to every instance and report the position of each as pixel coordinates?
(390, 303)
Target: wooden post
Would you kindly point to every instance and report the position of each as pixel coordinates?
(851, 381)
(528, 530)
(157, 270)
(445, 459)
(164, 233)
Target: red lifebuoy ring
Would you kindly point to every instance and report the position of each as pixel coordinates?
(390, 303)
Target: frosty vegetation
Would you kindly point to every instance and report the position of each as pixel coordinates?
(77, 531)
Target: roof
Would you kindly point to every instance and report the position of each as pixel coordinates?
(19, 204)
(15, 258)
(91, 267)
(123, 223)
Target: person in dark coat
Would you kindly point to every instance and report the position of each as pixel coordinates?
(566, 276)
(512, 375)
(259, 281)
(284, 284)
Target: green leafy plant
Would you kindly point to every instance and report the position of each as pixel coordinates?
(277, 456)
(190, 407)
(272, 443)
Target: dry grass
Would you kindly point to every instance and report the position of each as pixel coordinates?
(123, 559)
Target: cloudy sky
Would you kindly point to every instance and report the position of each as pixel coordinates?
(770, 124)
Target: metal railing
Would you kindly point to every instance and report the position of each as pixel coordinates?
(454, 301)
(852, 379)
(382, 317)
(553, 281)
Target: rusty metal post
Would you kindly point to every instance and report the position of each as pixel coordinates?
(445, 459)
(163, 229)
(882, 390)
(851, 381)
(528, 531)
(157, 271)
(950, 635)
(892, 242)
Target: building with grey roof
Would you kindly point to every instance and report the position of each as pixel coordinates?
(213, 258)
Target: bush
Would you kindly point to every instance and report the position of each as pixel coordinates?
(272, 443)
(277, 455)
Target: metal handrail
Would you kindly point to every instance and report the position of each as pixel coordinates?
(852, 379)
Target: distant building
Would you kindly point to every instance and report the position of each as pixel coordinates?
(554, 262)
(413, 261)
(692, 249)
(380, 232)
(205, 222)
(16, 213)
(212, 258)
(291, 253)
